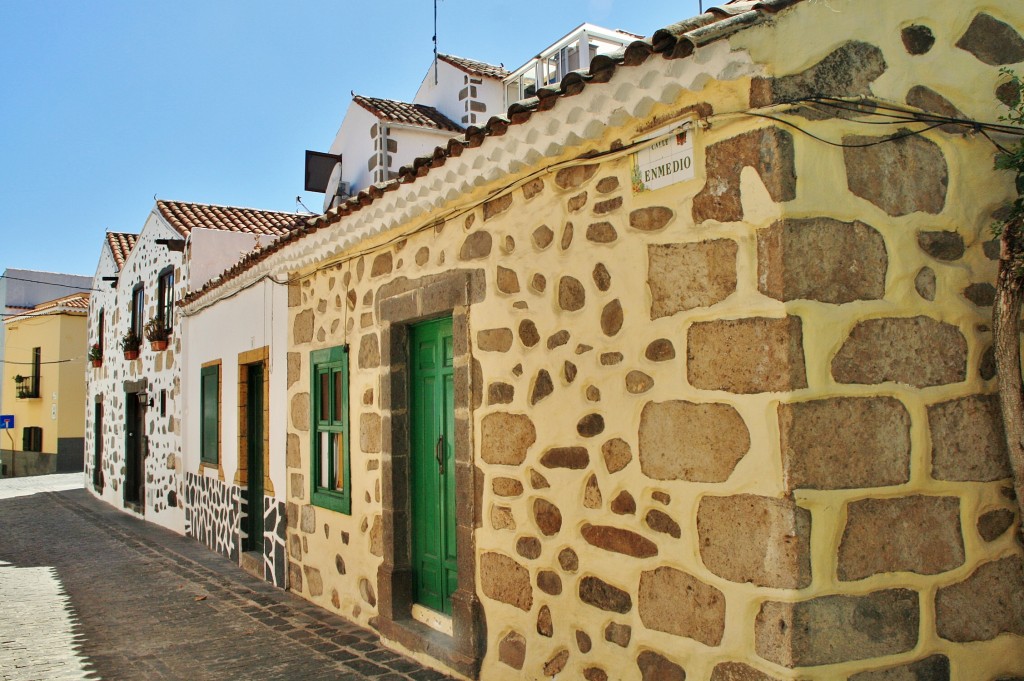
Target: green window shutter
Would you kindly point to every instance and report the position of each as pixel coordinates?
(330, 480)
(210, 414)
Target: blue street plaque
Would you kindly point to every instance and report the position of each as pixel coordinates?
(6, 421)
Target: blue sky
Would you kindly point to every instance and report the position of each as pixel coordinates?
(105, 104)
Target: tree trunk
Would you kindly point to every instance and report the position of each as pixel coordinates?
(1006, 333)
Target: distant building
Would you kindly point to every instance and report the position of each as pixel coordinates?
(44, 357)
(21, 290)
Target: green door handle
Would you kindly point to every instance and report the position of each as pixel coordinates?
(439, 453)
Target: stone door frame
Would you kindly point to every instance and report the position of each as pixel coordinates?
(399, 304)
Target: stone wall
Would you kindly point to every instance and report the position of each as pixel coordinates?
(738, 428)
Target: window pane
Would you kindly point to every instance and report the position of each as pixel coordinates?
(325, 396)
(208, 407)
(339, 397)
(323, 460)
(336, 468)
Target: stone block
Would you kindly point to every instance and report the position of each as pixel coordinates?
(901, 176)
(300, 411)
(505, 438)
(933, 668)
(833, 629)
(512, 650)
(849, 70)
(507, 280)
(690, 275)
(905, 534)
(382, 264)
(505, 580)
(986, 604)
(574, 458)
(845, 442)
(675, 602)
(769, 151)
(369, 433)
(500, 393)
(574, 176)
(681, 440)
(294, 368)
(993, 524)
(369, 351)
(750, 538)
(476, 246)
(617, 540)
(494, 340)
(992, 41)
(737, 671)
(745, 356)
(821, 259)
(942, 245)
(307, 522)
(497, 206)
(506, 487)
(655, 667)
(650, 219)
(292, 457)
(918, 351)
(967, 440)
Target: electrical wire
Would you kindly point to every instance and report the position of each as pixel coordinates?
(50, 283)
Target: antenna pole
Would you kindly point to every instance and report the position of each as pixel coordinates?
(435, 42)
(700, 7)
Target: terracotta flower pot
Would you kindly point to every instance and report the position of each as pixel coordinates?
(131, 354)
(97, 362)
(158, 345)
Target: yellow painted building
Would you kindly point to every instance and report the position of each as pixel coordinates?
(44, 387)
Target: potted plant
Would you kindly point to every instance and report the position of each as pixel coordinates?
(157, 333)
(96, 354)
(130, 344)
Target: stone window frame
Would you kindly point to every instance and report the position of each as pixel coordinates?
(205, 460)
(331, 359)
(400, 304)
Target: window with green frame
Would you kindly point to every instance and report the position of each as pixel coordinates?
(209, 410)
(329, 429)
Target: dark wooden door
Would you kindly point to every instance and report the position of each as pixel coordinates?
(433, 464)
(254, 445)
(135, 452)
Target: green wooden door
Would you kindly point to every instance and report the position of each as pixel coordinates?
(433, 463)
(254, 441)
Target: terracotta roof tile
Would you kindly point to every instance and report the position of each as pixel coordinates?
(121, 244)
(476, 68)
(184, 217)
(676, 41)
(74, 302)
(410, 114)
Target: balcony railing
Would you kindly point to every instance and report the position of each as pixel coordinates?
(28, 388)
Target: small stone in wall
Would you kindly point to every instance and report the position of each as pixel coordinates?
(549, 582)
(538, 481)
(544, 626)
(917, 39)
(918, 351)
(302, 328)
(422, 256)
(497, 206)
(982, 295)
(502, 518)
(500, 393)
(637, 382)
(571, 294)
(568, 560)
(507, 280)
(542, 237)
(608, 206)
(650, 219)
(659, 521)
(737, 671)
(901, 176)
(618, 540)
(505, 438)
(660, 350)
(369, 351)
(512, 650)
(601, 233)
(542, 387)
(308, 521)
(335, 599)
(847, 71)
(623, 504)
(528, 547)
(577, 202)
(924, 282)
(528, 334)
(506, 487)
(600, 594)
(547, 517)
(590, 425)
(567, 233)
(608, 184)
(993, 524)
(933, 668)
(602, 278)
(517, 370)
(295, 577)
(532, 188)
(907, 534)
(382, 265)
(569, 371)
(675, 602)
(505, 580)
(558, 339)
(583, 348)
(619, 634)
(595, 674)
(583, 642)
(339, 564)
(556, 664)
(930, 101)
(1008, 94)
(656, 667)
(476, 246)
(984, 605)
(617, 454)
(494, 340)
(611, 358)
(574, 458)
(538, 283)
(992, 41)
(593, 393)
(313, 581)
(689, 275)
(987, 365)
(592, 493)
(942, 245)
(570, 178)
(612, 318)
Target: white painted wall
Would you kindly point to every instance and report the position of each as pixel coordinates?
(214, 250)
(444, 96)
(254, 318)
(355, 144)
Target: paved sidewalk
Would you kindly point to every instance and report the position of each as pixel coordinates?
(89, 592)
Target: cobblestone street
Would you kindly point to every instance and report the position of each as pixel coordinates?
(90, 593)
